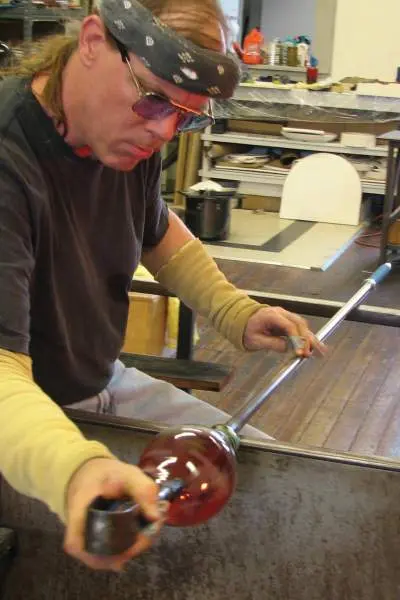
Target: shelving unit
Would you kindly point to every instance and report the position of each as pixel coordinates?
(29, 13)
(266, 102)
(276, 141)
(391, 205)
(264, 92)
(257, 182)
(293, 73)
(264, 184)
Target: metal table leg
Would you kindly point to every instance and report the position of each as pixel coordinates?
(186, 326)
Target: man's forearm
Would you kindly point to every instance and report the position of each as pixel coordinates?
(182, 265)
(196, 279)
(176, 236)
(40, 448)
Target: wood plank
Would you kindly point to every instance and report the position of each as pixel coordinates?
(389, 444)
(338, 392)
(283, 403)
(246, 368)
(380, 413)
(181, 373)
(379, 358)
(241, 387)
(312, 395)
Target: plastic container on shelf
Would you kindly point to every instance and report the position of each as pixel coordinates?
(292, 56)
(275, 52)
(252, 47)
(303, 54)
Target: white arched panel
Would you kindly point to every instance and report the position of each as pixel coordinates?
(324, 188)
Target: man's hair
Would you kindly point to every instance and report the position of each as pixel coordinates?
(51, 55)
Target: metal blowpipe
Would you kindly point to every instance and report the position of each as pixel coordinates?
(242, 416)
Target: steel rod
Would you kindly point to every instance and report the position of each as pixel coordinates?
(241, 417)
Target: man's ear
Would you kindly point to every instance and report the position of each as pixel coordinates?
(92, 38)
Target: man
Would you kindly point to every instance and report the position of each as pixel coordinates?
(80, 205)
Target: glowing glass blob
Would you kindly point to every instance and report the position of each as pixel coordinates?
(204, 460)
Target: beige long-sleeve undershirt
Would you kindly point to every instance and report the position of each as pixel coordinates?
(40, 448)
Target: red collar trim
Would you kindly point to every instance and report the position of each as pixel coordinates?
(83, 151)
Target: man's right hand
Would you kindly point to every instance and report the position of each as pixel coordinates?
(109, 478)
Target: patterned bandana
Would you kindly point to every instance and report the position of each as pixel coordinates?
(167, 54)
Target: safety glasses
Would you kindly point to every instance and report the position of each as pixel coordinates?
(154, 106)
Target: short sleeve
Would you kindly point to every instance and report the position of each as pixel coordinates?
(16, 263)
(156, 215)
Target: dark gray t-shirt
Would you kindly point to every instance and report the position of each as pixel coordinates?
(71, 236)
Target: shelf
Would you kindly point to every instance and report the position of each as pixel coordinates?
(55, 14)
(265, 179)
(250, 92)
(39, 14)
(250, 139)
(284, 68)
(12, 14)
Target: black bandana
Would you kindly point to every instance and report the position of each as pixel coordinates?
(167, 54)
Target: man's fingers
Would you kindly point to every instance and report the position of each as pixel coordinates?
(75, 532)
(302, 340)
(109, 479)
(115, 563)
(143, 542)
(145, 493)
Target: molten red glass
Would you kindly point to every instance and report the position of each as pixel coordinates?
(204, 459)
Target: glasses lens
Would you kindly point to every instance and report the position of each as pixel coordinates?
(153, 106)
(189, 123)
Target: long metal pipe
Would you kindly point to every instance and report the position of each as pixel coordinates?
(241, 417)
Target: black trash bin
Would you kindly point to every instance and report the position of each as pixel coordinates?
(208, 213)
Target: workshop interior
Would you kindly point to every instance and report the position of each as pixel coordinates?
(294, 191)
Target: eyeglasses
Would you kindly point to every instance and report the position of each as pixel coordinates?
(154, 106)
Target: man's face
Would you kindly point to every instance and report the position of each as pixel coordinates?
(118, 136)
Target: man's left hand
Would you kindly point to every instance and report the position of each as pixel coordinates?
(271, 327)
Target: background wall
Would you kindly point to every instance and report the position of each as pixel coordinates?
(282, 18)
(251, 15)
(233, 10)
(316, 18)
(366, 40)
(350, 37)
(231, 7)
